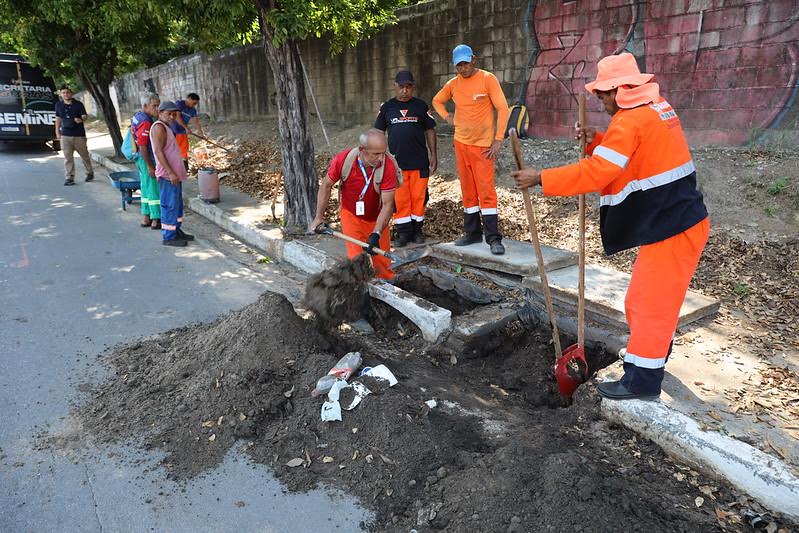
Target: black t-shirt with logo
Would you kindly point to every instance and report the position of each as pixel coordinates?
(406, 123)
(68, 112)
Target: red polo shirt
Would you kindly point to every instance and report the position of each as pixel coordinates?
(353, 185)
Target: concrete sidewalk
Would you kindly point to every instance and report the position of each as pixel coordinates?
(691, 421)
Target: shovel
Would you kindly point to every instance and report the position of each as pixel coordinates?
(542, 272)
(209, 141)
(324, 229)
(571, 369)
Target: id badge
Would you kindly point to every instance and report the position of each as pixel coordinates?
(360, 208)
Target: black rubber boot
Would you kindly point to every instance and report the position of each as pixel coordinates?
(418, 234)
(404, 234)
(491, 223)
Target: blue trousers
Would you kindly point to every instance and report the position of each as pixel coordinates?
(171, 208)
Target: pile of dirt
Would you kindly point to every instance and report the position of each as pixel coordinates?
(488, 453)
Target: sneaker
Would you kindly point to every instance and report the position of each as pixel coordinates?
(90, 176)
(497, 248)
(69, 182)
(418, 238)
(174, 242)
(467, 239)
(185, 236)
(401, 242)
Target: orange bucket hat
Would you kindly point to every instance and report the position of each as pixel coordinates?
(615, 71)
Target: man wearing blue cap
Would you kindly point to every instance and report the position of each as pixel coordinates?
(478, 139)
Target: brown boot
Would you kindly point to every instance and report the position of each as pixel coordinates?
(145, 223)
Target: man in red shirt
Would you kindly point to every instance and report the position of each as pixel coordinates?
(364, 212)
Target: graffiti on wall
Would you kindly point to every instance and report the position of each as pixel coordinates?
(730, 68)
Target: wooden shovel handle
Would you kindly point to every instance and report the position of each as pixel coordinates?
(364, 245)
(581, 249)
(542, 271)
(209, 141)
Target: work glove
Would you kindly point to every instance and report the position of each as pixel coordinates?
(374, 243)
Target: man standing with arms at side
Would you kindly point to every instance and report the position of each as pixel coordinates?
(411, 136)
(368, 178)
(69, 118)
(150, 193)
(478, 139)
(171, 175)
(181, 127)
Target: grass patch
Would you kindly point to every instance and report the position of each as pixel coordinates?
(741, 289)
(777, 186)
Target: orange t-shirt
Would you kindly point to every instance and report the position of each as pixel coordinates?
(476, 98)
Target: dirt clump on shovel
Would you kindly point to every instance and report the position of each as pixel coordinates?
(338, 294)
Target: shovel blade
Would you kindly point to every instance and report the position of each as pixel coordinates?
(571, 370)
(409, 258)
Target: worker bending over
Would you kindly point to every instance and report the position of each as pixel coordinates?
(369, 176)
(644, 173)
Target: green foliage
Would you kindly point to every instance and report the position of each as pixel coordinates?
(778, 186)
(343, 22)
(741, 289)
(770, 210)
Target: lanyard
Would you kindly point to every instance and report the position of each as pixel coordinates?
(366, 178)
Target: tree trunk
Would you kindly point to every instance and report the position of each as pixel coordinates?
(300, 181)
(101, 93)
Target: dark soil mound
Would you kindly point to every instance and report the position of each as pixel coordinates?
(488, 456)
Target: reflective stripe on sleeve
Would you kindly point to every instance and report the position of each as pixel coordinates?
(620, 160)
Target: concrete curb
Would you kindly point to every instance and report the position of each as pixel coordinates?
(762, 476)
(269, 241)
(107, 163)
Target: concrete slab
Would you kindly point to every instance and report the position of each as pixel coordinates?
(762, 476)
(519, 257)
(433, 321)
(604, 294)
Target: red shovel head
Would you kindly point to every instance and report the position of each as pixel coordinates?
(571, 370)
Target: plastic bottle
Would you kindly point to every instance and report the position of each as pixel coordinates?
(343, 369)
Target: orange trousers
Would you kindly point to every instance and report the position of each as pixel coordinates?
(476, 174)
(182, 140)
(358, 228)
(409, 199)
(660, 279)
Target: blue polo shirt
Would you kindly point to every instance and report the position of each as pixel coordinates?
(187, 113)
(67, 113)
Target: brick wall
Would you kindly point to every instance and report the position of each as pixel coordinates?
(730, 67)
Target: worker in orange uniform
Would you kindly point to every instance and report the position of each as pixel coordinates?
(411, 136)
(478, 139)
(644, 173)
(369, 176)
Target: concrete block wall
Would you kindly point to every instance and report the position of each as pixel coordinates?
(730, 67)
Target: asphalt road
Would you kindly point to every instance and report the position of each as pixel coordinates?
(77, 274)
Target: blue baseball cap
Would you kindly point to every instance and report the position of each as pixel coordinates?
(462, 52)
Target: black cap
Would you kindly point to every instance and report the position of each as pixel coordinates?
(404, 77)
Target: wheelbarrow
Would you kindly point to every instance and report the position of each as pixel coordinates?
(126, 182)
